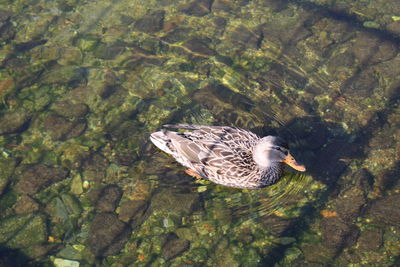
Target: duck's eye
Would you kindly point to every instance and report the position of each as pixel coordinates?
(281, 150)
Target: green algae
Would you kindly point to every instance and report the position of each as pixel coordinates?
(6, 202)
(23, 231)
(87, 43)
(77, 185)
(34, 232)
(7, 166)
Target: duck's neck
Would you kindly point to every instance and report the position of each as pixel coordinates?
(272, 173)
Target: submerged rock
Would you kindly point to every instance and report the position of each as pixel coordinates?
(109, 51)
(371, 239)
(368, 48)
(72, 204)
(225, 94)
(14, 122)
(198, 254)
(317, 253)
(109, 198)
(197, 8)
(223, 254)
(38, 250)
(69, 252)
(87, 42)
(174, 246)
(353, 196)
(26, 46)
(152, 22)
(12, 224)
(107, 235)
(337, 234)
(386, 210)
(4, 16)
(70, 56)
(33, 233)
(138, 58)
(125, 158)
(176, 35)
(245, 38)
(70, 75)
(222, 5)
(70, 110)
(133, 212)
(340, 62)
(283, 32)
(7, 167)
(363, 84)
(7, 83)
(7, 32)
(95, 167)
(394, 27)
(65, 263)
(174, 202)
(74, 155)
(76, 185)
(275, 5)
(275, 224)
(64, 209)
(199, 47)
(7, 29)
(25, 204)
(35, 178)
(60, 128)
(23, 231)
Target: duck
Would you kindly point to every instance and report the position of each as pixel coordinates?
(225, 155)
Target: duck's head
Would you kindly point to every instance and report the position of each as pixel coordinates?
(272, 151)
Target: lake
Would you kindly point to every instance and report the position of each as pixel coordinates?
(84, 83)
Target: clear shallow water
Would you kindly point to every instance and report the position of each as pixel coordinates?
(84, 84)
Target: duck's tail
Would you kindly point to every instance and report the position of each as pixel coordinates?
(161, 140)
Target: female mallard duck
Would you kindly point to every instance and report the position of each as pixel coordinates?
(226, 155)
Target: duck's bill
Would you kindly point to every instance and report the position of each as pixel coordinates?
(289, 160)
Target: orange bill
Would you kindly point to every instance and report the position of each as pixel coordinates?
(289, 160)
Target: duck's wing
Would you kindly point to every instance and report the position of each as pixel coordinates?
(184, 126)
(186, 147)
(215, 150)
(217, 133)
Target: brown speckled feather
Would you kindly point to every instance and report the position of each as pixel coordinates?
(222, 154)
